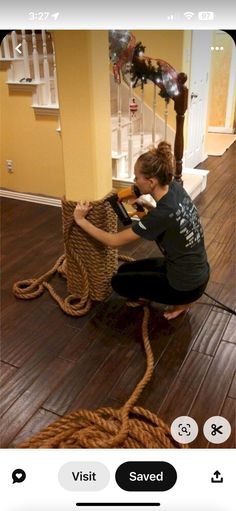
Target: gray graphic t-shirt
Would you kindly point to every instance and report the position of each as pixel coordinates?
(175, 226)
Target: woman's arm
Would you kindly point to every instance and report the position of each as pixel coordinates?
(113, 240)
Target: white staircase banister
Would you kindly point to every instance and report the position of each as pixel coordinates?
(36, 69)
(142, 121)
(25, 55)
(55, 73)
(166, 116)
(6, 47)
(47, 90)
(130, 135)
(14, 44)
(35, 57)
(154, 105)
(119, 118)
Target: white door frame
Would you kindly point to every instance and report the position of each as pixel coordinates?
(206, 71)
(231, 90)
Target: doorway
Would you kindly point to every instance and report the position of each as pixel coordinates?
(198, 96)
(211, 95)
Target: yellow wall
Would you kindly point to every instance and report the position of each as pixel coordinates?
(166, 45)
(219, 79)
(33, 145)
(77, 162)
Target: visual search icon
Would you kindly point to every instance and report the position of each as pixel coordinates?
(184, 429)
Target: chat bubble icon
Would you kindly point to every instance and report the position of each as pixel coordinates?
(18, 475)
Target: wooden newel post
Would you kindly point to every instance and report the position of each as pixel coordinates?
(181, 104)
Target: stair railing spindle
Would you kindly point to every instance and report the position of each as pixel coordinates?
(14, 44)
(130, 135)
(119, 118)
(47, 91)
(55, 74)
(166, 117)
(142, 121)
(35, 57)
(6, 47)
(36, 68)
(11, 47)
(25, 55)
(154, 105)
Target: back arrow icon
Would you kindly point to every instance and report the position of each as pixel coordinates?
(17, 48)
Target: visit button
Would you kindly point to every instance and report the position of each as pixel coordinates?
(146, 476)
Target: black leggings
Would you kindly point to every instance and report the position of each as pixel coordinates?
(147, 278)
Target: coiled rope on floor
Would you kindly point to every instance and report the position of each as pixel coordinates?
(88, 267)
(126, 427)
(73, 305)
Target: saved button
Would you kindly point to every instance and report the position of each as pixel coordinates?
(146, 476)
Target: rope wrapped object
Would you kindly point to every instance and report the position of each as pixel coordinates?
(86, 257)
(126, 427)
(87, 264)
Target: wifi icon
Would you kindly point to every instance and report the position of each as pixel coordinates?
(189, 15)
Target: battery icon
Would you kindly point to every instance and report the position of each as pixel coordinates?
(206, 15)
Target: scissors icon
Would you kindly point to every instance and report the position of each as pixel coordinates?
(216, 429)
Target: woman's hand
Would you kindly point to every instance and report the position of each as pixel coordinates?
(141, 202)
(81, 210)
(135, 200)
(109, 239)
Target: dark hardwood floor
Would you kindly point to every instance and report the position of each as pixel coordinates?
(53, 364)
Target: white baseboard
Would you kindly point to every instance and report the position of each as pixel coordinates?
(195, 172)
(220, 129)
(195, 181)
(39, 199)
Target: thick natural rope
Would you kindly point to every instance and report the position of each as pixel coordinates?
(99, 261)
(126, 427)
(74, 304)
(129, 426)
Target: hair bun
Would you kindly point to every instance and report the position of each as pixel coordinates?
(158, 162)
(163, 150)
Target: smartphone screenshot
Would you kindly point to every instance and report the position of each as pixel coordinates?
(118, 193)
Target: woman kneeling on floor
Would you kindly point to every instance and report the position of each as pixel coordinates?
(179, 277)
